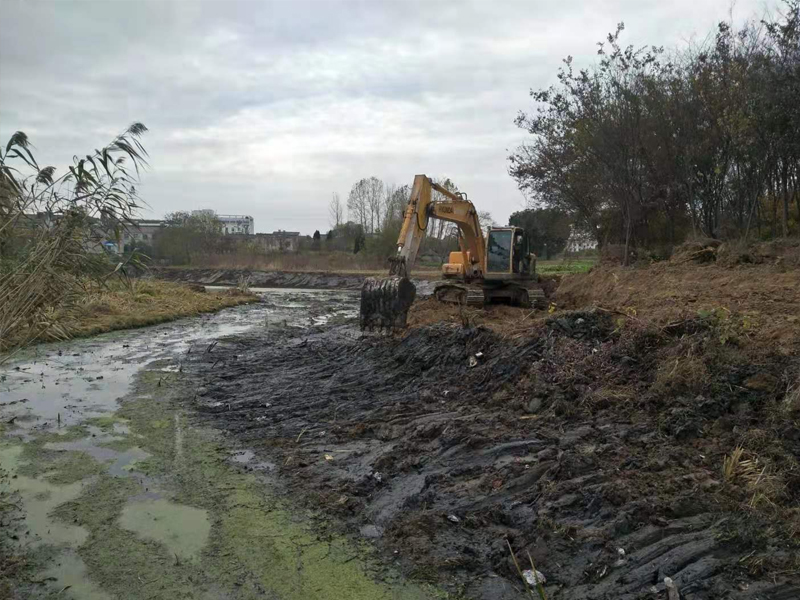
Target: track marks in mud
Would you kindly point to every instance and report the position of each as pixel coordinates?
(527, 445)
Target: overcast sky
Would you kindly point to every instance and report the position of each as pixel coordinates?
(266, 108)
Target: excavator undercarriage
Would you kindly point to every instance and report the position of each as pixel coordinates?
(478, 295)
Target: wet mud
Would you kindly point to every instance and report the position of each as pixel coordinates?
(269, 450)
(262, 279)
(443, 446)
(111, 489)
(275, 279)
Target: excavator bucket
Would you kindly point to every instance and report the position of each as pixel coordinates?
(385, 302)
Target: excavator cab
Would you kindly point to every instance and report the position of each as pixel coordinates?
(508, 255)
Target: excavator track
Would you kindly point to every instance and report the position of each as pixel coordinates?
(453, 293)
(527, 296)
(536, 297)
(475, 297)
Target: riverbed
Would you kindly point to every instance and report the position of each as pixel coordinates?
(121, 493)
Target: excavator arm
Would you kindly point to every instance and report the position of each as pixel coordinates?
(455, 208)
(385, 302)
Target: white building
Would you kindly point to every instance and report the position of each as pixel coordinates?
(231, 223)
(237, 224)
(580, 240)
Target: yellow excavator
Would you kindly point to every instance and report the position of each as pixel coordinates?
(497, 267)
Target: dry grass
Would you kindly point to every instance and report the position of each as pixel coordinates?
(754, 475)
(148, 302)
(681, 375)
(730, 466)
(140, 303)
(761, 297)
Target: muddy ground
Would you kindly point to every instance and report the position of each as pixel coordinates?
(617, 451)
(261, 279)
(111, 489)
(273, 279)
(643, 428)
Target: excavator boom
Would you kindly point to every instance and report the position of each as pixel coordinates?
(454, 208)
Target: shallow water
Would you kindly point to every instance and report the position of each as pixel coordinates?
(182, 529)
(39, 498)
(62, 405)
(64, 383)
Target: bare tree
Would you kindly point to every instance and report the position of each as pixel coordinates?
(374, 191)
(444, 229)
(336, 211)
(395, 201)
(486, 219)
(357, 205)
(366, 203)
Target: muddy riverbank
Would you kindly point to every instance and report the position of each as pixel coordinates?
(444, 444)
(274, 451)
(273, 279)
(113, 490)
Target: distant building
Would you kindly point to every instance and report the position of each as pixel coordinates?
(230, 223)
(580, 239)
(99, 238)
(142, 231)
(279, 241)
(237, 224)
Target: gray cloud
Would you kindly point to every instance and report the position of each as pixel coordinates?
(266, 108)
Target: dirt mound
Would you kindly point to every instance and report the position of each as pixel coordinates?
(753, 301)
(701, 250)
(782, 253)
(584, 433)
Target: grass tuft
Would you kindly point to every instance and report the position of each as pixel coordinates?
(100, 309)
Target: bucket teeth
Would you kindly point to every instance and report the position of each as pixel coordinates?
(385, 302)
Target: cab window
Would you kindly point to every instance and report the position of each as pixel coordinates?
(498, 258)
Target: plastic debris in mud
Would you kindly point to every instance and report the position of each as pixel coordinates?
(473, 360)
(528, 575)
(621, 560)
(672, 589)
(453, 519)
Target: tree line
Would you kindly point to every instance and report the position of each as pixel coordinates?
(650, 146)
(371, 216)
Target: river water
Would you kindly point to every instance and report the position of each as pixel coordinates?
(96, 427)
